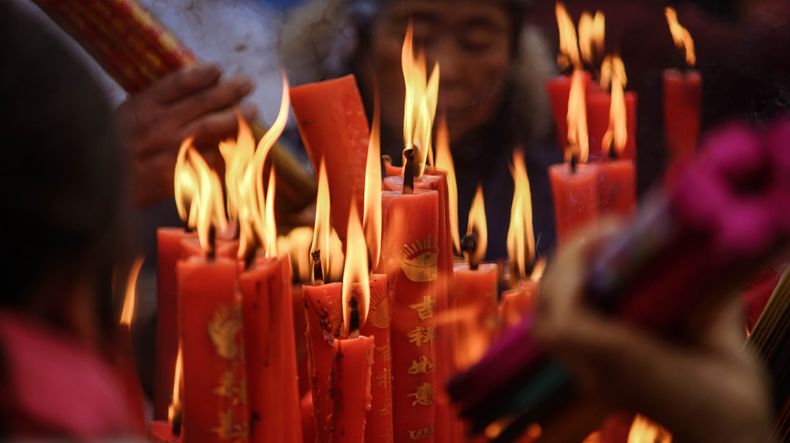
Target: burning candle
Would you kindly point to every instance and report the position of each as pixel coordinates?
(574, 186)
(617, 177)
(519, 300)
(682, 97)
(125, 361)
(160, 431)
(336, 135)
(600, 103)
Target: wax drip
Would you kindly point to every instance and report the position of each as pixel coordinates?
(468, 246)
(408, 171)
(353, 318)
(318, 270)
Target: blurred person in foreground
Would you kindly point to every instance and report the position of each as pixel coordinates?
(708, 388)
(63, 206)
(493, 71)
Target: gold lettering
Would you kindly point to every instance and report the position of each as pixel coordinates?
(423, 396)
(419, 434)
(424, 308)
(421, 366)
(421, 335)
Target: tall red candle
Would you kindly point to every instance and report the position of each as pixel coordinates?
(682, 97)
(409, 257)
(210, 326)
(598, 106)
(334, 128)
(617, 187)
(476, 303)
(351, 374)
(559, 89)
(518, 302)
(270, 356)
(575, 195)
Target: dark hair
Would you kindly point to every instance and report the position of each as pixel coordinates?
(61, 168)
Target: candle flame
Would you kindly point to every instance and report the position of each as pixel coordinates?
(270, 233)
(238, 155)
(569, 45)
(681, 36)
(372, 210)
(175, 402)
(210, 198)
(592, 36)
(645, 431)
(185, 185)
(616, 136)
(356, 282)
(538, 270)
(322, 225)
(444, 161)
(578, 140)
(478, 225)
(297, 246)
(520, 234)
(127, 312)
(422, 97)
(612, 67)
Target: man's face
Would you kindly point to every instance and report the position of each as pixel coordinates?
(470, 40)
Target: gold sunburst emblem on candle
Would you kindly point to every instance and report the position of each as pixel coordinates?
(223, 327)
(379, 314)
(419, 260)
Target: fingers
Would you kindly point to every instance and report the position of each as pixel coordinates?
(183, 83)
(223, 95)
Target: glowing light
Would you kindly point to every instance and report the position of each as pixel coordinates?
(372, 210)
(578, 141)
(321, 230)
(520, 235)
(185, 185)
(175, 403)
(355, 272)
(592, 36)
(616, 136)
(681, 36)
(444, 161)
(478, 226)
(569, 44)
(127, 312)
(645, 431)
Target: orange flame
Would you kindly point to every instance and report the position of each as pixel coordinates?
(578, 141)
(444, 161)
(372, 211)
(645, 431)
(175, 402)
(355, 271)
(592, 36)
(211, 201)
(538, 270)
(238, 155)
(322, 225)
(520, 235)
(681, 36)
(612, 67)
(186, 185)
(569, 44)
(127, 312)
(616, 136)
(421, 100)
(297, 246)
(256, 214)
(477, 224)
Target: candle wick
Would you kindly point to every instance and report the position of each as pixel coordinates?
(353, 318)
(408, 171)
(612, 153)
(249, 255)
(175, 426)
(212, 243)
(574, 163)
(318, 270)
(468, 246)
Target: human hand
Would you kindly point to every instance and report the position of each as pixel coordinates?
(193, 102)
(708, 388)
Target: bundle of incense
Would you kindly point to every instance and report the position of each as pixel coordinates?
(728, 214)
(771, 340)
(136, 50)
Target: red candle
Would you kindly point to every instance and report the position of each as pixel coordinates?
(518, 302)
(409, 257)
(168, 253)
(334, 128)
(575, 197)
(599, 104)
(210, 326)
(351, 374)
(162, 432)
(559, 89)
(682, 97)
(269, 352)
(190, 247)
(617, 187)
(475, 294)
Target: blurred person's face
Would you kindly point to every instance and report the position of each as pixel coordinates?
(470, 39)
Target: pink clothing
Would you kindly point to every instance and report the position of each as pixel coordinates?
(54, 386)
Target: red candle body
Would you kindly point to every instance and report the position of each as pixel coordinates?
(190, 247)
(334, 127)
(269, 353)
(598, 108)
(518, 302)
(559, 89)
(161, 432)
(617, 187)
(475, 296)
(575, 198)
(379, 417)
(168, 242)
(210, 326)
(351, 373)
(409, 257)
(682, 97)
